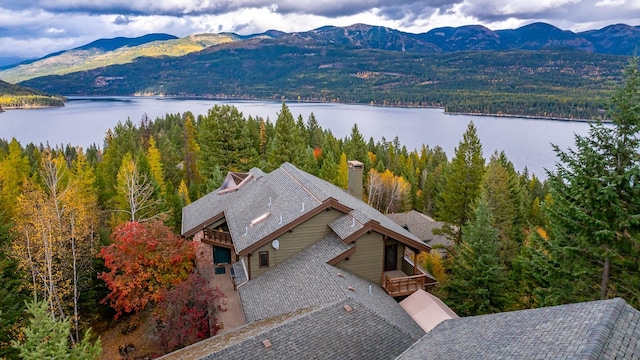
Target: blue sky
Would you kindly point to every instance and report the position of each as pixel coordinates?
(32, 28)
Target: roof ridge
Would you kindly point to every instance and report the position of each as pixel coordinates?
(299, 183)
(602, 331)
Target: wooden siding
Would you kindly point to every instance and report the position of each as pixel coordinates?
(368, 259)
(406, 267)
(293, 242)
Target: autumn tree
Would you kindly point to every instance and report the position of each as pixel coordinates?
(387, 192)
(143, 260)
(54, 226)
(478, 279)
(156, 168)
(342, 179)
(47, 337)
(461, 184)
(14, 168)
(187, 313)
(136, 196)
(432, 262)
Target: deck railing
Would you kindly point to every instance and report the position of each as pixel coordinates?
(407, 285)
(218, 238)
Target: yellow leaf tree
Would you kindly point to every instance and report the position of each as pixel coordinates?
(54, 223)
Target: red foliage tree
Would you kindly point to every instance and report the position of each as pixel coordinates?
(144, 260)
(187, 312)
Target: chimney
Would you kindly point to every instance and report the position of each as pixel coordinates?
(356, 168)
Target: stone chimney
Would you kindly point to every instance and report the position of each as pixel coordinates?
(356, 169)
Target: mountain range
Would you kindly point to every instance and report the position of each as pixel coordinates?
(617, 39)
(536, 70)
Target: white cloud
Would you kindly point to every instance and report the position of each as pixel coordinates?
(55, 31)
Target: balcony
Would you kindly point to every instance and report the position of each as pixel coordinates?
(398, 283)
(218, 238)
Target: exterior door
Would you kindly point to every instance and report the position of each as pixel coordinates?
(391, 257)
(221, 255)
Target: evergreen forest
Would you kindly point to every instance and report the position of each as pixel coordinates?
(89, 235)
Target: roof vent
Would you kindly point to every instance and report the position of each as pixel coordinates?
(266, 343)
(302, 207)
(348, 308)
(260, 219)
(351, 288)
(340, 274)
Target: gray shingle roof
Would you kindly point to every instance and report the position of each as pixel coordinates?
(421, 226)
(286, 194)
(299, 282)
(608, 329)
(345, 226)
(306, 280)
(327, 333)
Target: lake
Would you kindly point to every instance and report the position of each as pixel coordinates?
(85, 120)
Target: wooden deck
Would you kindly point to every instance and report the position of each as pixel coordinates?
(234, 316)
(397, 283)
(218, 238)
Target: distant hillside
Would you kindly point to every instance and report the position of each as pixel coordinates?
(8, 61)
(106, 52)
(119, 42)
(550, 83)
(15, 96)
(615, 39)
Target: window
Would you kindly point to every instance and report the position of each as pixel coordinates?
(263, 259)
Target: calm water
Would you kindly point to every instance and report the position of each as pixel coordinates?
(84, 121)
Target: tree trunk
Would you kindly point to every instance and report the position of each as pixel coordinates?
(604, 285)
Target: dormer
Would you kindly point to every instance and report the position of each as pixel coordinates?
(234, 181)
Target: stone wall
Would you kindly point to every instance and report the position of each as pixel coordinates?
(204, 255)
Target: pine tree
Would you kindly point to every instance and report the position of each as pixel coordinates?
(225, 141)
(356, 148)
(48, 338)
(478, 282)
(12, 293)
(594, 221)
(191, 152)
(288, 143)
(329, 169)
(504, 208)
(462, 179)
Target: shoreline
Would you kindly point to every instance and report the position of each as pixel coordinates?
(318, 101)
(4, 108)
(532, 117)
(407, 106)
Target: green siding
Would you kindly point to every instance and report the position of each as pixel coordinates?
(367, 261)
(293, 242)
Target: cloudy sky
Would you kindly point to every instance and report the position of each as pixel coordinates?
(32, 28)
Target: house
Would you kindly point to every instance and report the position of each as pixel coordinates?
(606, 329)
(424, 228)
(257, 221)
(316, 269)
